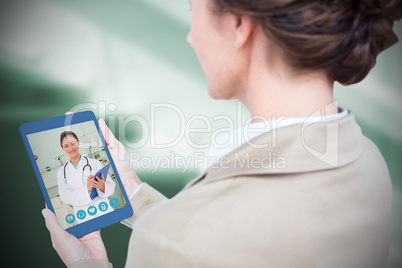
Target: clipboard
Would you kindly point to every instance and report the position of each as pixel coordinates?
(104, 171)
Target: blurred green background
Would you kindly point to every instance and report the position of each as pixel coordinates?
(122, 56)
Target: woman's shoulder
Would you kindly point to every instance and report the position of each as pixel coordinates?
(60, 169)
(372, 157)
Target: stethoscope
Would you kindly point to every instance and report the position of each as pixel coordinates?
(83, 169)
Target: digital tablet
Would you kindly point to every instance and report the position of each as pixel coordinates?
(66, 153)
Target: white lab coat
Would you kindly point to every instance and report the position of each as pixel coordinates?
(74, 192)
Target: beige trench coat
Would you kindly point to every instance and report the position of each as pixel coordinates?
(326, 202)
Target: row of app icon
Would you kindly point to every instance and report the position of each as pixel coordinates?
(92, 210)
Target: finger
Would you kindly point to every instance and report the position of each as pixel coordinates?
(116, 148)
(67, 246)
(52, 224)
(103, 177)
(110, 139)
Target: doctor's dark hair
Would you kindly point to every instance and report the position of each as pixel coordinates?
(341, 37)
(65, 134)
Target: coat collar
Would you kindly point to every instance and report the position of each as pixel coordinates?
(80, 161)
(294, 149)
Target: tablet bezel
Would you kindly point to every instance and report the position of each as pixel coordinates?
(63, 121)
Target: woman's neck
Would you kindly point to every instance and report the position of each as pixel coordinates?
(271, 88)
(75, 160)
(301, 96)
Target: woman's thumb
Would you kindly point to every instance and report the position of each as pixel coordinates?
(107, 134)
(52, 224)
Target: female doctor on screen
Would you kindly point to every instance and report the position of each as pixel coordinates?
(76, 180)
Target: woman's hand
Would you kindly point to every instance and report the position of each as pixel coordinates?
(71, 249)
(90, 179)
(127, 173)
(100, 184)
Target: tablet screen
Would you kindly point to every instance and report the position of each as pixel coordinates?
(68, 158)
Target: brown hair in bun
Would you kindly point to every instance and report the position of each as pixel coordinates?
(342, 37)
